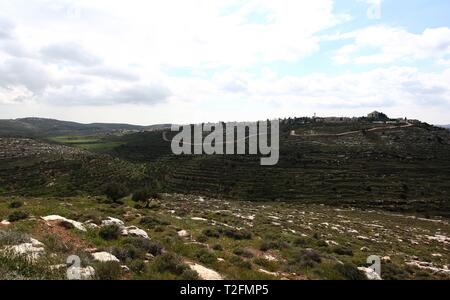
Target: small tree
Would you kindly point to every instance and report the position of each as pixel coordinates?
(116, 191)
(145, 195)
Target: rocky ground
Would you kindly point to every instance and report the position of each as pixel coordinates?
(15, 148)
(191, 237)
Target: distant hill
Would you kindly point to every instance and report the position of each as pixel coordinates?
(445, 126)
(39, 127)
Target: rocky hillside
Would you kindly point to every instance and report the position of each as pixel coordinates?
(49, 127)
(191, 237)
(401, 167)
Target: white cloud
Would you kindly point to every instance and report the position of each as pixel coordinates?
(69, 53)
(388, 45)
(110, 60)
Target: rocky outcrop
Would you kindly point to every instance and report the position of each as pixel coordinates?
(205, 273)
(113, 221)
(370, 273)
(183, 234)
(53, 218)
(104, 257)
(134, 231)
(126, 231)
(31, 250)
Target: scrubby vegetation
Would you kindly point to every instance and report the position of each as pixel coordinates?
(240, 240)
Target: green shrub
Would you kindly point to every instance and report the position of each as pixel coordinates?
(343, 250)
(268, 245)
(217, 247)
(205, 256)
(236, 234)
(350, 272)
(108, 271)
(127, 252)
(306, 258)
(189, 274)
(264, 263)
(392, 272)
(66, 225)
(169, 262)
(55, 244)
(137, 266)
(116, 191)
(144, 245)
(17, 216)
(110, 232)
(202, 238)
(211, 232)
(15, 204)
(300, 241)
(143, 196)
(322, 243)
(241, 263)
(243, 252)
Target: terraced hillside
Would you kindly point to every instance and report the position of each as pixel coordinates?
(401, 168)
(33, 167)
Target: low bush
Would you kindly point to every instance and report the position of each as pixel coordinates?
(241, 263)
(306, 258)
(217, 247)
(137, 266)
(237, 234)
(206, 256)
(15, 204)
(55, 244)
(144, 245)
(169, 262)
(66, 225)
(211, 232)
(202, 238)
(189, 274)
(108, 271)
(110, 232)
(127, 253)
(350, 272)
(243, 252)
(17, 216)
(343, 250)
(269, 245)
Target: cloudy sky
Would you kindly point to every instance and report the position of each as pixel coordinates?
(147, 62)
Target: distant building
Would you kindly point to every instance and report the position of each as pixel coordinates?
(377, 116)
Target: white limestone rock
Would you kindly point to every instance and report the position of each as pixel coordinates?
(205, 273)
(104, 257)
(370, 273)
(5, 223)
(77, 225)
(78, 273)
(135, 231)
(183, 234)
(31, 250)
(113, 221)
